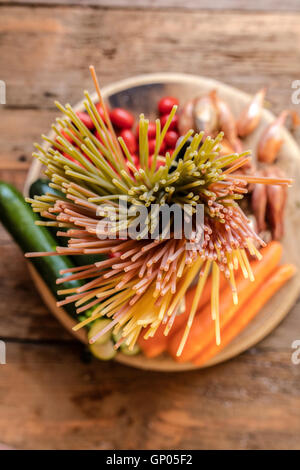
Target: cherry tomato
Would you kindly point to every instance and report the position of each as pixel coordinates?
(116, 254)
(129, 139)
(85, 119)
(171, 139)
(72, 159)
(99, 137)
(136, 161)
(170, 151)
(87, 157)
(100, 111)
(166, 104)
(151, 146)
(162, 148)
(158, 162)
(65, 136)
(151, 130)
(121, 118)
(174, 122)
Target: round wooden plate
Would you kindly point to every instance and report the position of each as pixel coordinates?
(141, 94)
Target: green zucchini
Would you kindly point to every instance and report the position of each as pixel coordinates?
(130, 352)
(105, 351)
(117, 336)
(103, 348)
(124, 348)
(40, 187)
(96, 327)
(19, 219)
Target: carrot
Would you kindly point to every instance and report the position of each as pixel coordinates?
(205, 297)
(248, 311)
(156, 345)
(202, 331)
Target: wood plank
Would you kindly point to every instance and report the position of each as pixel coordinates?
(241, 54)
(266, 5)
(23, 126)
(231, 55)
(46, 56)
(251, 402)
(18, 130)
(22, 312)
(30, 320)
(15, 177)
(23, 315)
(48, 397)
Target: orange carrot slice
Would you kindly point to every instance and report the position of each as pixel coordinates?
(156, 345)
(153, 346)
(202, 331)
(205, 296)
(248, 311)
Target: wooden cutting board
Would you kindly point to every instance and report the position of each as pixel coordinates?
(138, 94)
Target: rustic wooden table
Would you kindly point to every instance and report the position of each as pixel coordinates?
(50, 397)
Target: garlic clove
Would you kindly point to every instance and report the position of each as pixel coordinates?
(206, 114)
(271, 140)
(186, 118)
(251, 115)
(259, 205)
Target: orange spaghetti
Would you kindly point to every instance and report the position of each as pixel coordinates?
(143, 283)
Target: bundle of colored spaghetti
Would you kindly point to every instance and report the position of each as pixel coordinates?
(143, 282)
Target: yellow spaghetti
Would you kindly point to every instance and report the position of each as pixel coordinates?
(143, 282)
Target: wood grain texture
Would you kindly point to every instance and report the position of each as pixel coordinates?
(23, 315)
(64, 403)
(56, 46)
(18, 130)
(45, 57)
(256, 5)
(140, 91)
(48, 397)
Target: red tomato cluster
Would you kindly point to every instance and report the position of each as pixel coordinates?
(123, 122)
